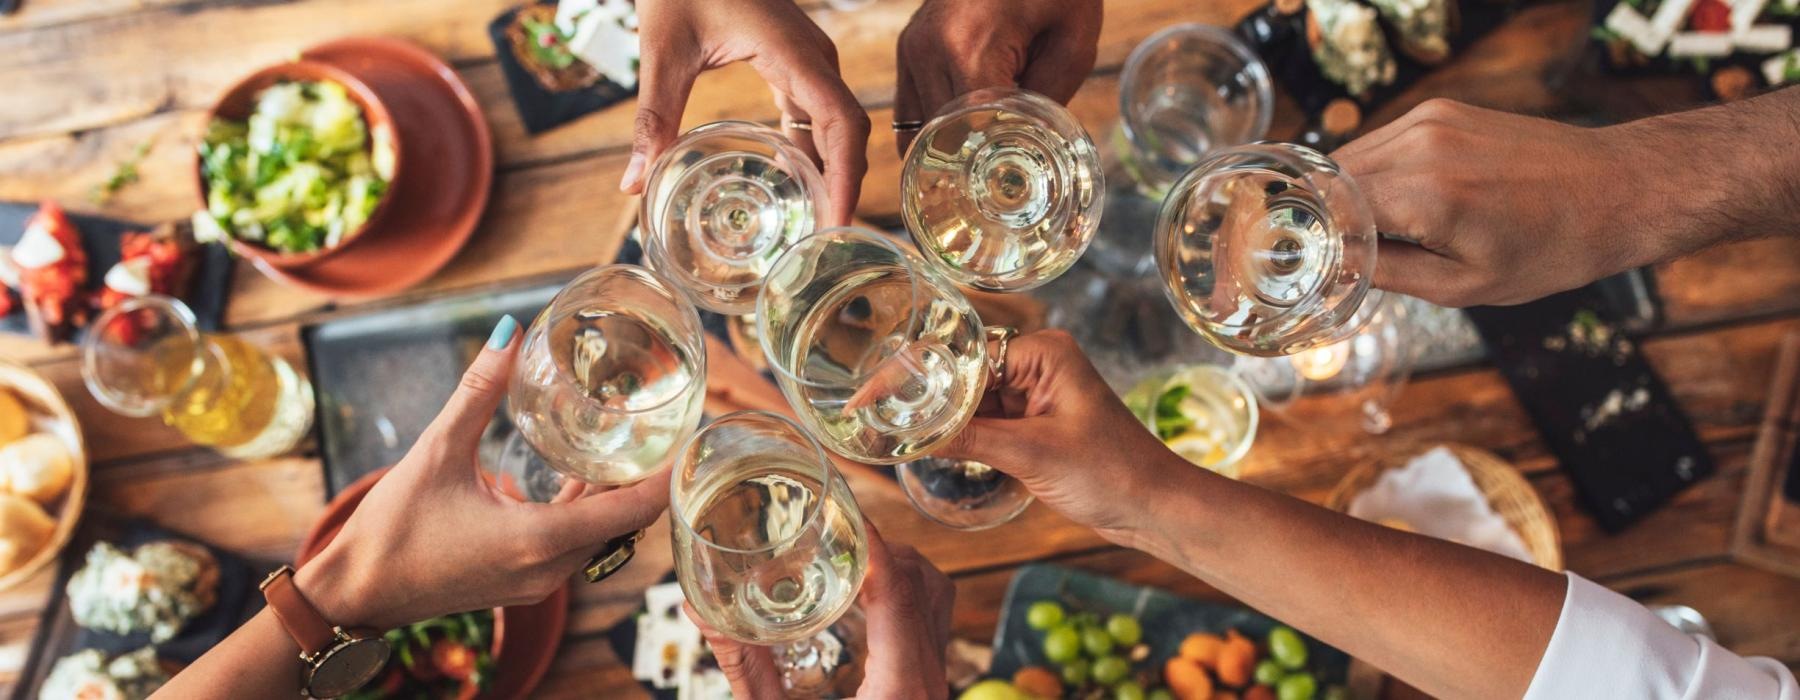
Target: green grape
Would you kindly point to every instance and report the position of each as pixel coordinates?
(1062, 645)
(1160, 694)
(1109, 670)
(1336, 692)
(1075, 673)
(1096, 641)
(1288, 648)
(1044, 615)
(1128, 690)
(1269, 673)
(1299, 686)
(1124, 629)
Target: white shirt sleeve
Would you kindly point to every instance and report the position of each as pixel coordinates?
(1608, 646)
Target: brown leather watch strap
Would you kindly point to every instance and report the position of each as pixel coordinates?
(302, 621)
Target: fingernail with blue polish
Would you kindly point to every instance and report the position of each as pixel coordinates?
(503, 333)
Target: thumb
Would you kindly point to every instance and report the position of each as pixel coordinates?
(663, 86)
(467, 413)
(750, 669)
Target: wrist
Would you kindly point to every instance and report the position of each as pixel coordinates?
(336, 587)
(1165, 498)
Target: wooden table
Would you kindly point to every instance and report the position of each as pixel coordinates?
(84, 82)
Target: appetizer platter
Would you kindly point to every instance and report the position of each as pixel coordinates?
(134, 603)
(1341, 58)
(43, 473)
(1065, 633)
(563, 60)
(1738, 48)
(59, 270)
(499, 653)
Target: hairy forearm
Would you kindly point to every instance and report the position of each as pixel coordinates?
(1451, 620)
(1705, 176)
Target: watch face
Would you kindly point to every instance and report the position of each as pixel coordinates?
(348, 667)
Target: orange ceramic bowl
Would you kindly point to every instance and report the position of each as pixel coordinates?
(239, 101)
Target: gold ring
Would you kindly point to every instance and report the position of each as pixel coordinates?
(909, 125)
(618, 552)
(999, 336)
(796, 124)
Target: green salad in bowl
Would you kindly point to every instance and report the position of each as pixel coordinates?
(304, 171)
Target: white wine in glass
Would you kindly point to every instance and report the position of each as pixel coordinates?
(611, 376)
(720, 204)
(769, 542)
(1267, 249)
(1002, 190)
(880, 356)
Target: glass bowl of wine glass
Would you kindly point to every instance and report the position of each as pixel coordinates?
(769, 542)
(1267, 249)
(610, 379)
(720, 204)
(1002, 190)
(1186, 91)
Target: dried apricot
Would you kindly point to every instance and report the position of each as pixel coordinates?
(1187, 680)
(1202, 648)
(1038, 681)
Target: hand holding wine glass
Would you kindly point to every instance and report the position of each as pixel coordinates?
(907, 603)
(683, 38)
(1057, 427)
(951, 47)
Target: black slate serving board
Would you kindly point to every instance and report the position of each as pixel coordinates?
(1166, 619)
(59, 636)
(206, 293)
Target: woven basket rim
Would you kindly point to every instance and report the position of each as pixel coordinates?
(1507, 491)
(42, 396)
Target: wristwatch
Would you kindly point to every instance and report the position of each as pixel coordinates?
(335, 660)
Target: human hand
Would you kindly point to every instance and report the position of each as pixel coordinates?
(1057, 427)
(956, 46)
(682, 38)
(906, 602)
(433, 537)
(1505, 208)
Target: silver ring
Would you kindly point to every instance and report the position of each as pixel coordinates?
(796, 124)
(909, 125)
(999, 336)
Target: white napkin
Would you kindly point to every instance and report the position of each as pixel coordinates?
(1434, 495)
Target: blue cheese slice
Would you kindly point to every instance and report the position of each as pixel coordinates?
(1351, 50)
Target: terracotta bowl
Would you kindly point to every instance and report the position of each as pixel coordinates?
(239, 101)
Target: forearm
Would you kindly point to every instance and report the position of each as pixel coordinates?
(1705, 176)
(1451, 620)
(258, 660)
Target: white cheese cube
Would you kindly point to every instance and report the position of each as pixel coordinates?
(1765, 38)
(1743, 14)
(1710, 44)
(612, 50)
(130, 277)
(37, 248)
(568, 11)
(1635, 28)
(1775, 69)
(1668, 18)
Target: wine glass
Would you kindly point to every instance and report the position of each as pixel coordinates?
(769, 543)
(1368, 369)
(1186, 91)
(147, 357)
(881, 357)
(1268, 249)
(720, 204)
(1002, 190)
(610, 378)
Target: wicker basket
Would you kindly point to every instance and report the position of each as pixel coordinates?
(42, 398)
(1507, 492)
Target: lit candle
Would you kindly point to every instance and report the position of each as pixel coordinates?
(1320, 364)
